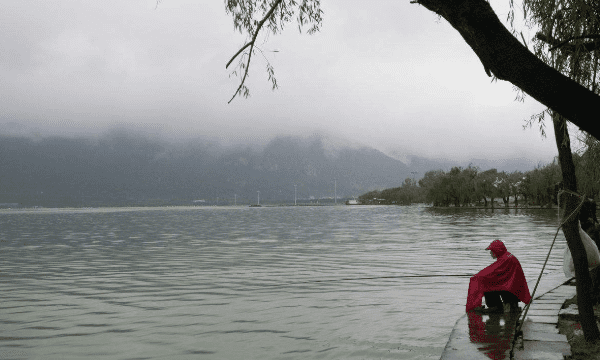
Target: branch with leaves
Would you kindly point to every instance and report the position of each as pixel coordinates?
(274, 14)
(571, 48)
(250, 44)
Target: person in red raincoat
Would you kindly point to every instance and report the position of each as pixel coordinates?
(502, 281)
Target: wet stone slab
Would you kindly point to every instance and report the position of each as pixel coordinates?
(557, 297)
(570, 313)
(564, 290)
(490, 336)
(459, 345)
(553, 295)
(533, 335)
(538, 355)
(537, 305)
(550, 300)
(477, 336)
(543, 319)
(534, 311)
(539, 327)
(463, 354)
(549, 282)
(548, 346)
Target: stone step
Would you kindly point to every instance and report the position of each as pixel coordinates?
(538, 355)
(533, 335)
(563, 289)
(548, 346)
(540, 327)
(553, 300)
(542, 312)
(463, 353)
(535, 305)
(572, 313)
(553, 297)
(543, 319)
(561, 294)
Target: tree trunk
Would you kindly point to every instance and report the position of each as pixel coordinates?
(571, 231)
(504, 56)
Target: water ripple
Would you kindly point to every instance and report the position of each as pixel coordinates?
(265, 283)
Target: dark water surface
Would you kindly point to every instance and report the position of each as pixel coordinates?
(249, 283)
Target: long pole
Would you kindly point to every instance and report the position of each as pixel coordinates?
(335, 191)
(258, 197)
(295, 188)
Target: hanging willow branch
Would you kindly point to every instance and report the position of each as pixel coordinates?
(250, 44)
(274, 15)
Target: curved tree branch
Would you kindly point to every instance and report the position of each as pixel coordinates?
(587, 46)
(251, 45)
(509, 60)
(237, 53)
(570, 48)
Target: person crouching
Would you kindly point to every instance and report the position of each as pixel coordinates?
(503, 282)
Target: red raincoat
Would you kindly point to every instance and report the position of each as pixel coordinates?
(505, 274)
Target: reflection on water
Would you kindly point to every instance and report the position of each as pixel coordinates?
(493, 333)
(252, 283)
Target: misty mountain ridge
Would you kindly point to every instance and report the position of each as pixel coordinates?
(422, 165)
(122, 167)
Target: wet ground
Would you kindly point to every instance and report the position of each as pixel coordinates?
(477, 336)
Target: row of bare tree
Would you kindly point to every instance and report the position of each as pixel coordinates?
(469, 186)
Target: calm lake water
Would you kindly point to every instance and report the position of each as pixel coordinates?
(336, 282)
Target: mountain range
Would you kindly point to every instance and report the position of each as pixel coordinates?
(124, 168)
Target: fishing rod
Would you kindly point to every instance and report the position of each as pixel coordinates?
(520, 323)
(370, 278)
(394, 277)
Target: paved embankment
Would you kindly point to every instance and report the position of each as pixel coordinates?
(490, 336)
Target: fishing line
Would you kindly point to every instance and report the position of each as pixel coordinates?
(367, 278)
(392, 277)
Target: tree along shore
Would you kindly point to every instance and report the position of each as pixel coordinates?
(470, 187)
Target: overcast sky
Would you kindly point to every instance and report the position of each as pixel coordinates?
(385, 73)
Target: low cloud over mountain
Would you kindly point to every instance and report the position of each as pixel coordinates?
(126, 168)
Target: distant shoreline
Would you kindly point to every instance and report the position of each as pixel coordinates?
(150, 207)
(16, 209)
(553, 207)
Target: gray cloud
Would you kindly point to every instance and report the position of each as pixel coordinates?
(388, 75)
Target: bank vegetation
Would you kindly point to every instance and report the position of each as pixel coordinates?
(468, 187)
